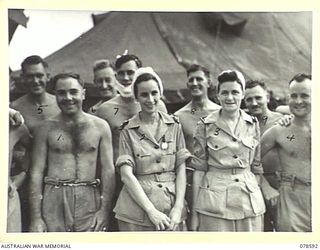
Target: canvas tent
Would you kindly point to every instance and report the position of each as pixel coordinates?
(265, 46)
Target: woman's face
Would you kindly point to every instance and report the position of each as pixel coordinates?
(148, 95)
(230, 96)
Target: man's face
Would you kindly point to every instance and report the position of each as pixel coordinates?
(69, 95)
(198, 84)
(105, 80)
(126, 72)
(300, 98)
(36, 78)
(256, 100)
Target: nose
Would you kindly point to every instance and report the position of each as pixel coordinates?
(68, 96)
(299, 100)
(125, 76)
(254, 102)
(194, 82)
(104, 84)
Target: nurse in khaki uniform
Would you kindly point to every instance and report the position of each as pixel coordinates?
(226, 193)
(151, 163)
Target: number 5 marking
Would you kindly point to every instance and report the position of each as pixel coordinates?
(117, 109)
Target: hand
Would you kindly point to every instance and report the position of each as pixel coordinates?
(15, 118)
(159, 219)
(38, 226)
(99, 221)
(194, 221)
(285, 120)
(175, 216)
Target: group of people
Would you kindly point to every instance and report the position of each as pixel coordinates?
(128, 165)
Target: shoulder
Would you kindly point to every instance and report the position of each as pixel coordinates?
(20, 102)
(183, 110)
(169, 118)
(213, 106)
(97, 121)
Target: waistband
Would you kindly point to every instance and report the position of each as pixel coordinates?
(293, 179)
(228, 171)
(71, 183)
(158, 177)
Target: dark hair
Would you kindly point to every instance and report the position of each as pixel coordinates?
(300, 77)
(31, 60)
(143, 78)
(254, 83)
(65, 76)
(228, 76)
(196, 67)
(102, 64)
(126, 58)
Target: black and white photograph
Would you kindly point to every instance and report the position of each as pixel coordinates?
(160, 121)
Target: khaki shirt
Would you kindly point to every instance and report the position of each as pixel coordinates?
(147, 154)
(215, 145)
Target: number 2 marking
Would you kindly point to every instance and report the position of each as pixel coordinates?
(291, 137)
(193, 111)
(116, 110)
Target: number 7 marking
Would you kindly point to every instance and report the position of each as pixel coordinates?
(117, 109)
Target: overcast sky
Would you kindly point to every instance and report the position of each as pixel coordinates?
(46, 32)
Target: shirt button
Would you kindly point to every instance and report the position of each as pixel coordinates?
(215, 146)
(159, 185)
(235, 156)
(234, 139)
(236, 180)
(156, 147)
(158, 160)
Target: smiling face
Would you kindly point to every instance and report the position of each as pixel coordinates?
(148, 95)
(69, 95)
(36, 78)
(105, 80)
(230, 96)
(300, 98)
(256, 100)
(198, 84)
(126, 72)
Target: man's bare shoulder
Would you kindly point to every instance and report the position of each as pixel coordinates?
(212, 106)
(105, 108)
(98, 122)
(184, 109)
(20, 102)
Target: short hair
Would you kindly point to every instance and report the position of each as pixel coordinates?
(126, 58)
(102, 64)
(143, 78)
(300, 78)
(197, 67)
(229, 76)
(65, 76)
(254, 83)
(31, 60)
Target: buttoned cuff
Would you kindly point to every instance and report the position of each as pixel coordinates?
(257, 169)
(198, 164)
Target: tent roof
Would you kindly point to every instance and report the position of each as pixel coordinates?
(267, 46)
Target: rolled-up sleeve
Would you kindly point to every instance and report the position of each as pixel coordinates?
(126, 156)
(256, 166)
(199, 160)
(182, 152)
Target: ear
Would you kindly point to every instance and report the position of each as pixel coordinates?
(268, 96)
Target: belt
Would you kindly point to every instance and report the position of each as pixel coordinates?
(229, 171)
(293, 179)
(70, 183)
(158, 177)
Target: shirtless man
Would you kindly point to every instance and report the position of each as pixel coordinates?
(70, 148)
(256, 100)
(37, 105)
(198, 83)
(105, 81)
(294, 147)
(17, 135)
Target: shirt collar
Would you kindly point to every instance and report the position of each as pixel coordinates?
(135, 121)
(215, 116)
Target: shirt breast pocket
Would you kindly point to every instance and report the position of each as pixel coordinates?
(168, 151)
(249, 146)
(217, 148)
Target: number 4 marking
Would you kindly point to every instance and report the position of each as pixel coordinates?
(290, 137)
(116, 110)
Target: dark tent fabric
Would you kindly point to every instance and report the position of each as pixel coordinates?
(16, 17)
(271, 46)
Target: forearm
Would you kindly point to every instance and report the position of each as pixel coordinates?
(181, 182)
(135, 190)
(19, 179)
(35, 195)
(197, 178)
(107, 190)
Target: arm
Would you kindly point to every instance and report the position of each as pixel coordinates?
(197, 178)
(159, 219)
(100, 220)
(268, 140)
(38, 161)
(15, 118)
